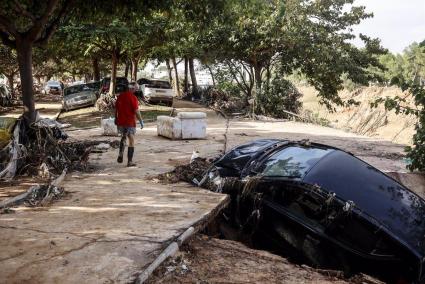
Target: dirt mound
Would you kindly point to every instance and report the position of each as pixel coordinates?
(210, 260)
(360, 118)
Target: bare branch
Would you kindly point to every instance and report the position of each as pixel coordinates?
(230, 63)
(51, 29)
(37, 28)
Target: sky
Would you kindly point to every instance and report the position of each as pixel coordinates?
(397, 23)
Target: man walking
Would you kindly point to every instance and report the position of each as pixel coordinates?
(126, 112)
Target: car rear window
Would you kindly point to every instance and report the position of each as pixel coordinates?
(75, 89)
(292, 162)
(159, 85)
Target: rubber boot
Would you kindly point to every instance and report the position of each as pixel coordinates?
(130, 153)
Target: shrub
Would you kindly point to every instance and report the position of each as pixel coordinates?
(279, 96)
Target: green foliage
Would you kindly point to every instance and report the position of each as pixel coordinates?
(408, 66)
(310, 37)
(279, 95)
(8, 61)
(400, 105)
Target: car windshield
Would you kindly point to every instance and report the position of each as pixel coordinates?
(93, 85)
(75, 89)
(292, 162)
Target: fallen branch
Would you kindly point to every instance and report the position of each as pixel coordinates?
(19, 198)
(35, 194)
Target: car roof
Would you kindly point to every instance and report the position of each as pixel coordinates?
(375, 194)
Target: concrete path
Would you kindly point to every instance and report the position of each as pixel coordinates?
(116, 221)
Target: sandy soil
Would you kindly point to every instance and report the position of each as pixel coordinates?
(362, 119)
(210, 260)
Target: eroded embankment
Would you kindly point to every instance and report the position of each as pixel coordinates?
(361, 118)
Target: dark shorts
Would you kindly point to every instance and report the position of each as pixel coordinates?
(127, 130)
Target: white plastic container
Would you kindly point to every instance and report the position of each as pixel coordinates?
(108, 126)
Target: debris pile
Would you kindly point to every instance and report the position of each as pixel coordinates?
(187, 172)
(218, 100)
(105, 102)
(41, 147)
(37, 195)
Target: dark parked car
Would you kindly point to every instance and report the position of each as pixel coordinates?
(104, 84)
(330, 207)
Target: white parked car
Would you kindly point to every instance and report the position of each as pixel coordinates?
(156, 91)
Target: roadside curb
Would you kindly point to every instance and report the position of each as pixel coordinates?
(173, 248)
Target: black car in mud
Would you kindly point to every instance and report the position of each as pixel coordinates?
(330, 207)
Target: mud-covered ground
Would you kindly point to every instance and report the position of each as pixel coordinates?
(211, 260)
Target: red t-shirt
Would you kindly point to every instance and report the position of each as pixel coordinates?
(125, 108)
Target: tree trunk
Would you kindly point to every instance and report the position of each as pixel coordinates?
(211, 73)
(170, 71)
(127, 68)
(24, 52)
(186, 79)
(257, 76)
(176, 75)
(96, 69)
(10, 78)
(192, 74)
(113, 72)
(134, 67)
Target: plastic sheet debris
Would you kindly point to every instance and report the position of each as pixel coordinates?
(108, 127)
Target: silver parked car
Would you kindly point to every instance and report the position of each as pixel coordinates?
(78, 96)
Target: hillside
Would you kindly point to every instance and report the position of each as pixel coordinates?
(362, 119)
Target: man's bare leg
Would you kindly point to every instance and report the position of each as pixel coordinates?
(130, 150)
(122, 147)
